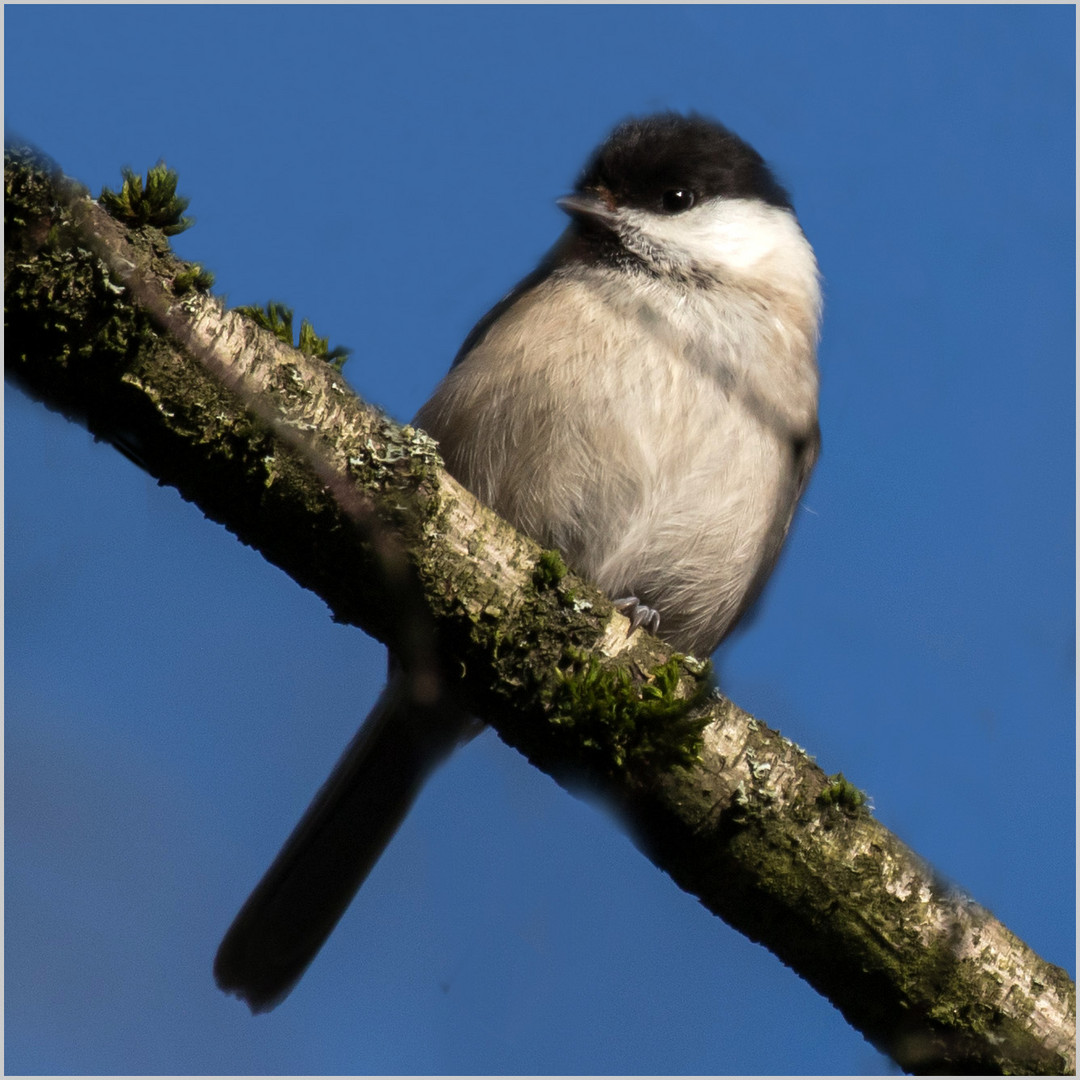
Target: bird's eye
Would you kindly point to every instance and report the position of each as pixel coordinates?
(677, 200)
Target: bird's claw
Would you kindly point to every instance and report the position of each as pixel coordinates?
(639, 614)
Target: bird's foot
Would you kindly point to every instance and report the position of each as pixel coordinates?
(639, 614)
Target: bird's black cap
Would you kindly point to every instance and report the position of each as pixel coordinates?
(644, 159)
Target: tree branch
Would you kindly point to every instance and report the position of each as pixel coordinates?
(103, 326)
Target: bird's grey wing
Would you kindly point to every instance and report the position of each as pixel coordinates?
(805, 449)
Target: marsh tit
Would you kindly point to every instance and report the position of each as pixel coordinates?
(645, 402)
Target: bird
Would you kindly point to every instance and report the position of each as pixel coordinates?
(646, 403)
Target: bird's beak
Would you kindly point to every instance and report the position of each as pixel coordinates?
(587, 205)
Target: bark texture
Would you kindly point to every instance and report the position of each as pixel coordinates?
(103, 326)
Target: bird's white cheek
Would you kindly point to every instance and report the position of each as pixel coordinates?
(733, 235)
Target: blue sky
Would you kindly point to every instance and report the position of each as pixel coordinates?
(172, 701)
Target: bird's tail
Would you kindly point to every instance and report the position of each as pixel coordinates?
(293, 910)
